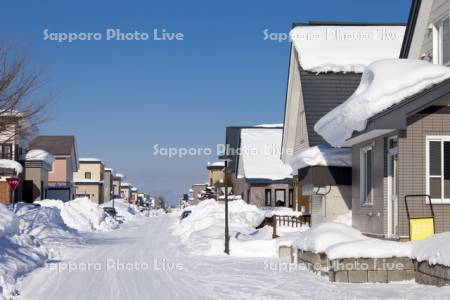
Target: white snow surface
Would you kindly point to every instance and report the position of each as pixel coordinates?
(278, 125)
(37, 154)
(434, 249)
(11, 164)
(345, 48)
(125, 210)
(260, 155)
(90, 159)
(383, 84)
(321, 156)
(202, 277)
(82, 214)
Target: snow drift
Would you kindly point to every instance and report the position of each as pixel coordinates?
(383, 84)
(125, 210)
(20, 253)
(82, 215)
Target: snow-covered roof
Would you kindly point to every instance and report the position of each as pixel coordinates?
(109, 170)
(134, 189)
(270, 125)
(260, 155)
(86, 180)
(383, 84)
(345, 48)
(11, 164)
(321, 156)
(38, 154)
(217, 164)
(120, 175)
(89, 159)
(125, 184)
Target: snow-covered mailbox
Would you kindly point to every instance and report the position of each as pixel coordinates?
(326, 176)
(8, 168)
(37, 165)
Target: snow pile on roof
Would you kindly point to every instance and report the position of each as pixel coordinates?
(86, 180)
(11, 164)
(321, 156)
(90, 159)
(277, 125)
(20, 253)
(120, 175)
(109, 170)
(82, 214)
(217, 164)
(383, 84)
(125, 184)
(260, 155)
(37, 154)
(345, 48)
(46, 224)
(125, 211)
(134, 189)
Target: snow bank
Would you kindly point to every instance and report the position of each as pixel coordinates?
(19, 253)
(282, 211)
(11, 164)
(369, 248)
(322, 156)
(434, 249)
(82, 214)
(37, 154)
(260, 155)
(46, 224)
(345, 48)
(125, 210)
(383, 84)
(345, 219)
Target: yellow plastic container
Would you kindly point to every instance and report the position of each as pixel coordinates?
(421, 228)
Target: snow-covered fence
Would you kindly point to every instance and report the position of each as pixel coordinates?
(285, 221)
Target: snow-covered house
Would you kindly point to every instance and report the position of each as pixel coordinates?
(64, 150)
(89, 179)
(38, 164)
(108, 185)
(398, 125)
(326, 63)
(195, 191)
(215, 172)
(125, 191)
(261, 178)
(116, 184)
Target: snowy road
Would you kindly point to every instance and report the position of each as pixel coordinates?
(148, 240)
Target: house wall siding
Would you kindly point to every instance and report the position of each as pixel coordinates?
(412, 168)
(439, 9)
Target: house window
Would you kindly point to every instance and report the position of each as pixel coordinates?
(280, 198)
(268, 197)
(438, 169)
(87, 175)
(366, 178)
(291, 198)
(441, 41)
(6, 151)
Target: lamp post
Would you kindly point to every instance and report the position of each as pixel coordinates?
(226, 159)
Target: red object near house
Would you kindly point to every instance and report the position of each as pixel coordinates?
(13, 182)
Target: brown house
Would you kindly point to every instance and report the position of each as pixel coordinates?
(64, 151)
(89, 179)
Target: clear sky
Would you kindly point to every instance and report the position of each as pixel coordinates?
(120, 98)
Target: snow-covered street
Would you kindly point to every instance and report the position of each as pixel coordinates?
(173, 274)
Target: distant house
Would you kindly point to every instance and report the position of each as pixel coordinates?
(64, 150)
(38, 164)
(108, 191)
(402, 150)
(89, 179)
(215, 172)
(195, 191)
(324, 72)
(125, 191)
(117, 182)
(260, 177)
(134, 195)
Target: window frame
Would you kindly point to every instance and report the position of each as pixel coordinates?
(441, 139)
(85, 175)
(284, 197)
(270, 197)
(363, 178)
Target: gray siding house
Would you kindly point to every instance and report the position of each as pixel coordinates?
(309, 96)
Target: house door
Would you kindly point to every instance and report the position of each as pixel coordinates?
(392, 187)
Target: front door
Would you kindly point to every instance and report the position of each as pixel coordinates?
(392, 187)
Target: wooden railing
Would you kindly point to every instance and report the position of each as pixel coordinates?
(284, 220)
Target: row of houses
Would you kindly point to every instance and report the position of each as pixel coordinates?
(366, 126)
(53, 170)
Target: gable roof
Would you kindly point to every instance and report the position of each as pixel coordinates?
(54, 144)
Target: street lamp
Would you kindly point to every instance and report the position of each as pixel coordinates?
(226, 159)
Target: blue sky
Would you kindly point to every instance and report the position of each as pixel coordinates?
(120, 98)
